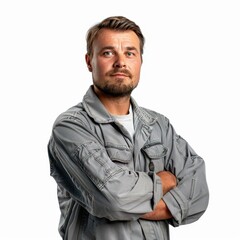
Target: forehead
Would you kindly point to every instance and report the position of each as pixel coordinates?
(115, 38)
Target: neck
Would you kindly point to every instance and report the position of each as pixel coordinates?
(114, 105)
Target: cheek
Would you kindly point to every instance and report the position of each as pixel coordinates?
(96, 66)
(99, 71)
(137, 69)
(102, 66)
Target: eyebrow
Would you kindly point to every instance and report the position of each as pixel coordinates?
(112, 48)
(132, 48)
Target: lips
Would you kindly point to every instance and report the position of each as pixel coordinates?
(123, 73)
(119, 75)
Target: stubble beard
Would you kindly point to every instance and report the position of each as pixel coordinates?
(116, 89)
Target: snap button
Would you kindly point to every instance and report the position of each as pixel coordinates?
(151, 166)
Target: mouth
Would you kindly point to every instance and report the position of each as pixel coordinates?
(119, 75)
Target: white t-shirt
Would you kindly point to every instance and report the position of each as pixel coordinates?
(127, 121)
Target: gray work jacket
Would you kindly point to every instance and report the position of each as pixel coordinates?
(106, 181)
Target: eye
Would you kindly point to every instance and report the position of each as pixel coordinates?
(130, 54)
(107, 53)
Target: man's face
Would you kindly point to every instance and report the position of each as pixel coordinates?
(116, 62)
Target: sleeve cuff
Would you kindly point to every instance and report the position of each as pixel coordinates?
(177, 205)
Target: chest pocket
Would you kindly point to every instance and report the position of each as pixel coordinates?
(155, 153)
(121, 155)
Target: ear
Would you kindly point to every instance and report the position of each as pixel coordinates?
(88, 62)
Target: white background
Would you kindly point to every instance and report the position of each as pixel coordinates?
(190, 73)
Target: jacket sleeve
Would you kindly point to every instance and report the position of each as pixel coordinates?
(80, 164)
(189, 200)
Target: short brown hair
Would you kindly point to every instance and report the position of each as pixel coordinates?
(118, 23)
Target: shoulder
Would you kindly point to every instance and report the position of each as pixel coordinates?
(73, 114)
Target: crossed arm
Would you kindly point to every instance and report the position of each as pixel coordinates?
(161, 210)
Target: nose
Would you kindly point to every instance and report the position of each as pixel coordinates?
(119, 62)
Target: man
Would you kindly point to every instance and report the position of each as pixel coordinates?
(122, 171)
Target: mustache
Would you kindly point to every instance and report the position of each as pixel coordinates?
(124, 71)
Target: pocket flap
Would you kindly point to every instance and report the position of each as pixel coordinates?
(119, 154)
(155, 150)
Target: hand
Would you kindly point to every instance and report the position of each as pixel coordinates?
(161, 211)
(169, 181)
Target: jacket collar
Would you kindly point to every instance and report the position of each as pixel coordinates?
(95, 109)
